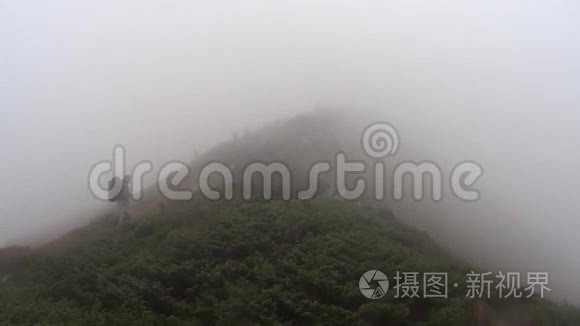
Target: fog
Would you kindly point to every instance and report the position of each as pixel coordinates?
(495, 82)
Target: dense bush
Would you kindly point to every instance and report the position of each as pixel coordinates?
(233, 263)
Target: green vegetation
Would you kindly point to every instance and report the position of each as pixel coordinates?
(235, 263)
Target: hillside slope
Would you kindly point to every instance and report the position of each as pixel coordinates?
(239, 263)
(248, 262)
(268, 262)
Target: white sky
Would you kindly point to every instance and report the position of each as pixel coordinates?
(495, 81)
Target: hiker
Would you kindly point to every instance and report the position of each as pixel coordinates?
(121, 197)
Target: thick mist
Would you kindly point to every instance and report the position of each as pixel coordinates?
(495, 82)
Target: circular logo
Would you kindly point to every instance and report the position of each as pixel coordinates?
(365, 281)
(380, 140)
